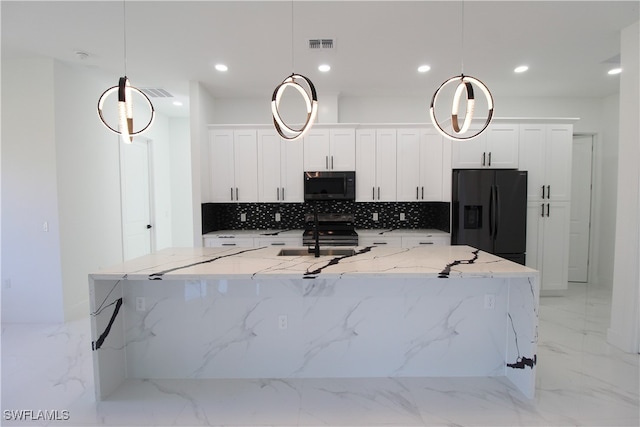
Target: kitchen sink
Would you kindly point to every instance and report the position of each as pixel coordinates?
(323, 252)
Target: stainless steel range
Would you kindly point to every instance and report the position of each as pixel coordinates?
(333, 230)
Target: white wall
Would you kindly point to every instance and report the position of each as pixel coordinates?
(181, 183)
(31, 270)
(88, 184)
(625, 327)
(60, 165)
(201, 105)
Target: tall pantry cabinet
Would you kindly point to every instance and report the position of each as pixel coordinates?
(545, 152)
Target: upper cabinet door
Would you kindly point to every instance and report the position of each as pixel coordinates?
(385, 165)
(246, 165)
(408, 165)
(269, 166)
(316, 150)
(431, 167)
(502, 146)
(342, 149)
(558, 162)
(221, 165)
(471, 154)
(366, 165)
(292, 176)
(532, 158)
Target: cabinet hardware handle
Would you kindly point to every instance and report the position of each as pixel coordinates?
(379, 243)
(417, 193)
(426, 243)
(231, 193)
(543, 192)
(548, 209)
(283, 194)
(542, 213)
(277, 193)
(548, 191)
(373, 193)
(489, 158)
(277, 243)
(237, 194)
(378, 193)
(326, 162)
(484, 158)
(228, 244)
(423, 193)
(331, 162)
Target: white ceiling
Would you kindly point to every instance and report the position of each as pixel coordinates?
(378, 44)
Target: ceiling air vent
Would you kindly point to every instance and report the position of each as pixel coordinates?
(321, 44)
(156, 92)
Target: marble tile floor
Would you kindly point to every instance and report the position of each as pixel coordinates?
(582, 381)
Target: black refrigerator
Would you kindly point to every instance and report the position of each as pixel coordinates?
(489, 211)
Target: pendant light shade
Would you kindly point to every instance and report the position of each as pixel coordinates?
(125, 110)
(311, 102)
(465, 84)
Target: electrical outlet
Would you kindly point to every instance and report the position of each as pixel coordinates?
(489, 302)
(277, 216)
(141, 304)
(402, 217)
(243, 217)
(283, 322)
(375, 216)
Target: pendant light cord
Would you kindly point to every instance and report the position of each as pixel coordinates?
(462, 39)
(124, 24)
(292, 60)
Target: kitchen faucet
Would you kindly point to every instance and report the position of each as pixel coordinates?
(316, 235)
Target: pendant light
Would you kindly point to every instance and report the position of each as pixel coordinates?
(125, 101)
(465, 84)
(308, 92)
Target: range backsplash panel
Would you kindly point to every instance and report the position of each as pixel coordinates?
(260, 216)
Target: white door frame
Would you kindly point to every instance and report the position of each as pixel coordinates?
(151, 192)
(593, 250)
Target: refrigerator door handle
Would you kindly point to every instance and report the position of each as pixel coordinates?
(491, 212)
(496, 216)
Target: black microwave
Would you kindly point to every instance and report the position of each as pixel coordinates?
(329, 185)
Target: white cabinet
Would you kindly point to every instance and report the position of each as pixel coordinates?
(233, 165)
(548, 243)
(419, 165)
(545, 153)
(288, 241)
(228, 241)
(280, 175)
(330, 149)
(376, 165)
(428, 240)
(388, 241)
(496, 148)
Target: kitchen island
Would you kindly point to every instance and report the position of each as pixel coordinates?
(202, 313)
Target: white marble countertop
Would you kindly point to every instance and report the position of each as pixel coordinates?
(400, 232)
(264, 262)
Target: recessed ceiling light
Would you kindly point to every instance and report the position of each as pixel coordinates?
(177, 103)
(423, 68)
(221, 67)
(521, 69)
(615, 71)
(324, 68)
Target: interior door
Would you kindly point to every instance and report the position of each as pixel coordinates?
(135, 194)
(580, 209)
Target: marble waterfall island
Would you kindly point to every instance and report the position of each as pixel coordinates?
(202, 313)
